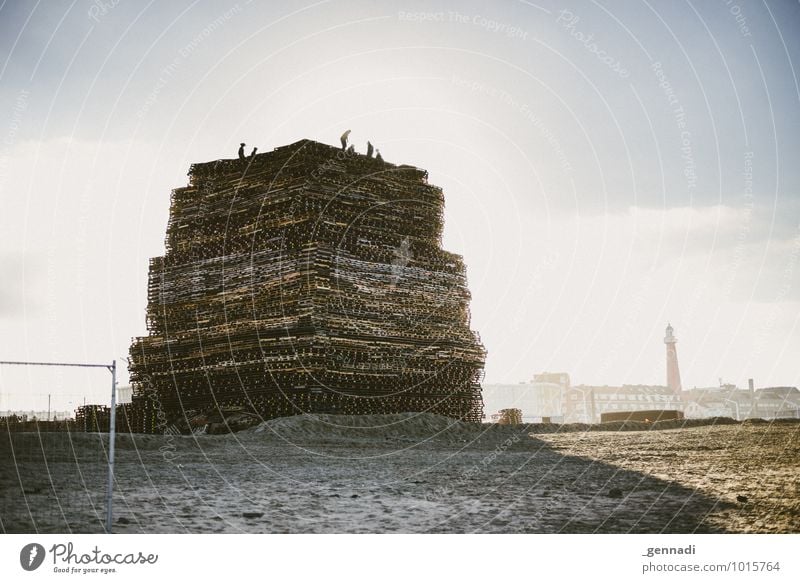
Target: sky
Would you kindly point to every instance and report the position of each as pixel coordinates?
(608, 167)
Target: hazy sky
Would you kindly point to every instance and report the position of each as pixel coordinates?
(608, 166)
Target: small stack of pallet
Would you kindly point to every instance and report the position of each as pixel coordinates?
(509, 417)
(307, 279)
(92, 418)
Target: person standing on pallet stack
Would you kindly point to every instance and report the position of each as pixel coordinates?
(241, 151)
(369, 149)
(343, 138)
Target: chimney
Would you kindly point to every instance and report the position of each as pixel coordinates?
(750, 385)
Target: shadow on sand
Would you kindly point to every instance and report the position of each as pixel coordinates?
(320, 476)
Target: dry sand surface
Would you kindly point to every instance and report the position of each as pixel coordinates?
(410, 473)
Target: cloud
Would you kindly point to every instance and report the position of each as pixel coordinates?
(748, 251)
(591, 294)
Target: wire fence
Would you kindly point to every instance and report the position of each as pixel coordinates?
(57, 447)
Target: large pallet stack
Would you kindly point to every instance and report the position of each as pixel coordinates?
(307, 279)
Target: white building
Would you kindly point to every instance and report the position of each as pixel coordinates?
(537, 399)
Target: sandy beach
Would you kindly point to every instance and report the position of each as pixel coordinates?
(410, 473)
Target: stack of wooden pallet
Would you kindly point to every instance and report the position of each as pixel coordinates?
(92, 418)
(509, 417)
(303, 280)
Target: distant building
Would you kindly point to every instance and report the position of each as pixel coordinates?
(777, 403)
(710, 402)
(124, 394)
(559, 379)
(539, 399)
(729, 401)
(550, 397)
(586, 403)
(39, 415)
(550, 388)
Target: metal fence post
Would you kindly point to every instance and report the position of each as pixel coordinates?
(112, 425)
(112, 430)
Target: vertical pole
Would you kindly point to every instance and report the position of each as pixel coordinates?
(112, 431)
(48, 407)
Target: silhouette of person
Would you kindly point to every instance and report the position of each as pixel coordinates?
(378, 156)
(351, 150)
(343, 138)
(241, 151)
(253, 153)
(369, 149)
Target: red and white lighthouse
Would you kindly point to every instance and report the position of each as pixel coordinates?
(673, 372)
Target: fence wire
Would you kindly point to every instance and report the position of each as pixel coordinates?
(54, 448)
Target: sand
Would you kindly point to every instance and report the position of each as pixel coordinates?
(410, 473)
